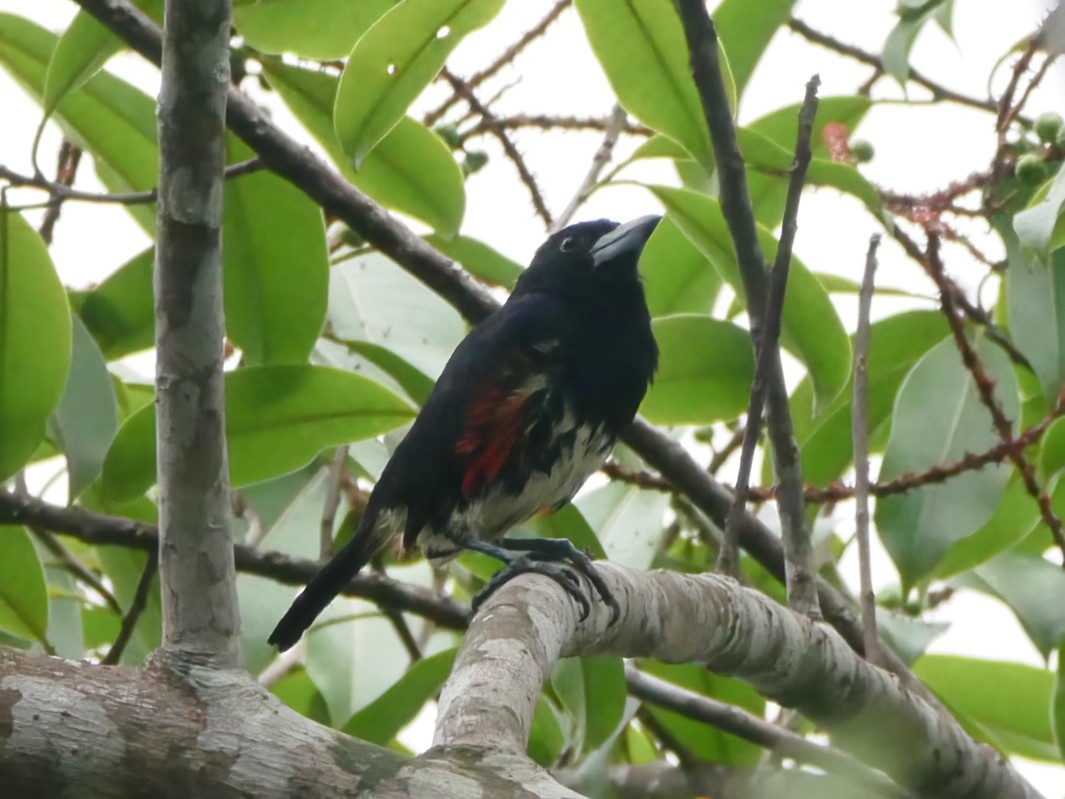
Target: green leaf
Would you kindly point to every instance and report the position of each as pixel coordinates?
(702, 740)
(1052, 449)
(746, 27)
(704, 373)
(1008, 701)
(907, 636)
(895, 56)
(627, 521)
(120, 312)
(415, 383)
(677, 278)
(1034, 589)
(34, 341)
(277, 419)
(381, 720)
(316, 29)
(297, 690)
(394, 61)
(86, 420)
(479, 259)
(373, 300)
(567, 522)
(82, 50)
(918, 527)
(546, 739)
(23, 593)
(1036, 296)
(811, 328)
(271, 229)
(410, 170)
(106, 116)
(895, 345)
(124, 568)
(605, 693)
(641, 47)
(1057, 707)
(1012, 520)
(1036, 225)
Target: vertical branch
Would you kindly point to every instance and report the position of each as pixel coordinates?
(614, 125)
(860, 434)
(201, 622)
(736, 207)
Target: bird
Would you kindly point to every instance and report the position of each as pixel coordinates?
(528, 406)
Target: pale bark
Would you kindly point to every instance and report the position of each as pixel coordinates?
(522, 631)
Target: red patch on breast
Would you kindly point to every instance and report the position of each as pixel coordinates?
(493, 426)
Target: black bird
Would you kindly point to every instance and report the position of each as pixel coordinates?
(527, 407)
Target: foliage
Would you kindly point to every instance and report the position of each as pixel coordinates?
(334, 345)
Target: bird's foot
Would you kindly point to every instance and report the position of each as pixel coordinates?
(545, 556)
(524, 564)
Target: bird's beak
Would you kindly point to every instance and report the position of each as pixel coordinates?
(627, 239)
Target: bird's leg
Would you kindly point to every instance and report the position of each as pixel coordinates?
(525, 564)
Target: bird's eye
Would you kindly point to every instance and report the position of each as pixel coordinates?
(569, 244)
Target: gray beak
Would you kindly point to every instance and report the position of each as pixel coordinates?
(627, 239)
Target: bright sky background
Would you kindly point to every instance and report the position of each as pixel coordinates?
(918, 149)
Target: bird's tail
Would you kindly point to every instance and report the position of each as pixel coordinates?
(369, 537)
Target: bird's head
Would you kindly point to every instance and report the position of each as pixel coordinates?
(597, 256)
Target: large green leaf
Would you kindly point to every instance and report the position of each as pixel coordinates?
(641, 47)
(677, 278)
(23, 594)
(410, 169)
(373, 300)
(318, 29)
(592, 692)
(811, 328)
(277, 419)
(479, 259)
(895, 345)
(746, 26)
(120, 312)
(1037, 225)
(86, 420)
(381, 720)
(1008, 702)
(1036, 294)
(276, 267)
(1057, 708)
(82, 50)
(627, 521)
(34, 341)
(106, 116)
(394, 61)
(918, 527)
(704, 373)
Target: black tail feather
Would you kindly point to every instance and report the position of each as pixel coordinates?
(324, 586)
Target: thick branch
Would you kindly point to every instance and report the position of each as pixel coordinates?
(525, 627)
(201, 618)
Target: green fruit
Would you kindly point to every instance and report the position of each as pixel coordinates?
(1048, 126)
(862, 151)
(1031, 169)
(450, 135)
(1060, 140)
(475, 159)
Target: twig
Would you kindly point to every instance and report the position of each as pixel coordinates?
(860, 434)
(938, 91)
(742, 724)
(506, 57)
(985, 386)
(98, 528)
(332, 500)
(599, 161)
(509, 148)
(136, 608)
(61, 193)
(66, 169)
(69, 561)
(550, 122)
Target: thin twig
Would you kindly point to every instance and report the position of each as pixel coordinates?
(509, 147)
(506, 57)
(70, 562)
(332, 501)
(599, 161)
(550, 122)
(742, 724)
(61, 193)
(860, 434)
(136, 608)
(66, 169)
